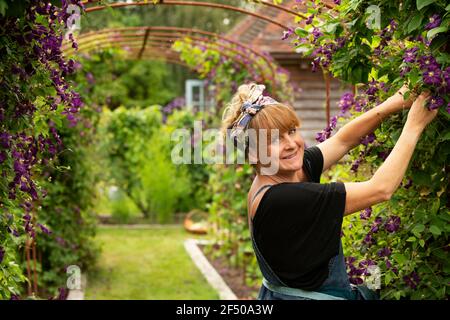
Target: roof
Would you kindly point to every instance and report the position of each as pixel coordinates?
(265, 36)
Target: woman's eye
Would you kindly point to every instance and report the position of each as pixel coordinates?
(293, 130)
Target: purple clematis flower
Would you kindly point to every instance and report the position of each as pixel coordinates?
(392, 224)
(2, 254)
(412, 280)
(432, 76)
(287, 33)
(435, 102)
(346, 102)
(44, 229)
(366, 213)
(410, 55)
(368, 139)
(317, 33)
(428, 62)
(435, 21)
(384, 252)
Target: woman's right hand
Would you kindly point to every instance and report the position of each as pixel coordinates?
(419, 116)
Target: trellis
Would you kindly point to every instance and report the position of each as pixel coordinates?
(154, 42)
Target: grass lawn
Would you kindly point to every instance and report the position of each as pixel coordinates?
(148, 263)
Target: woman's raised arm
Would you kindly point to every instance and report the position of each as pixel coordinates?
(349, 136)
(388, 177)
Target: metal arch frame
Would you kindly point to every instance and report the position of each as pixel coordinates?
(163, 39)
(185, 31)
(159, 43)
(163, 35)
(201, 4)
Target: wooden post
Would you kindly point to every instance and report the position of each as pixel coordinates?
(28, 258)
(327, 93)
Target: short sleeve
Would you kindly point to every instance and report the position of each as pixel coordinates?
(298, 228)
(313, 159)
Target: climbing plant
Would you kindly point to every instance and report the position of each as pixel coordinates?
(40, 113)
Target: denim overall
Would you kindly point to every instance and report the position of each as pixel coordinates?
(335, 287)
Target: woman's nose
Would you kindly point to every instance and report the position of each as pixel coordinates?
(290, 142)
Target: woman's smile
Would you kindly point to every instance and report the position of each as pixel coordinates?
(291, 156)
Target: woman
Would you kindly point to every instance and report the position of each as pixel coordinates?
(295, 220)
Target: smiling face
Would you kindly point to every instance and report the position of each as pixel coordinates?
(286, 150)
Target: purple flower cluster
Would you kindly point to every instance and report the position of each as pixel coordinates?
(384, 252)
(434, 22)
(326, 133)
(362, 154)
(412, 280)
(38, 50)
(175, 104)
(355, 272)
(366, 213)
(2, 254)
(392, 224)
(432, 75)
(370, 138)
(346, 102)
(316, 33)
(355, 165)
(375, 227)
(324, 53)
(386, 35)
(44, 229)
(384, 154)
(410, 55)
(287, 33)
(408, 184)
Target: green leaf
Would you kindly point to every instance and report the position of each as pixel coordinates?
(411, 239)
(3, 7)
(387, 278)
(418, 229)
(435, 230)
(413, 77)
(415, 22)
(399, 258)
(445, 137)
(423, 3)
(330, 28)
(422, 243)
(447, 8)
(301, 32)
(421, 178)
(376, 41)
(431, 33)
(438, 42)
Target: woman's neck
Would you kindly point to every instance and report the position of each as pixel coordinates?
(288, 176)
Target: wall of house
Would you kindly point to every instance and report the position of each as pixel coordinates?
(310, 102)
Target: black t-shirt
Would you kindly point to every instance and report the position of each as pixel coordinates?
(297, 225)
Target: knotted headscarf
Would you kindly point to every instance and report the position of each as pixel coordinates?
(255, 102)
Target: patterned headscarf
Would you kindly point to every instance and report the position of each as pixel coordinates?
(250, 107)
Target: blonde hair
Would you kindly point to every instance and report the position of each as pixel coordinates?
(274, 116)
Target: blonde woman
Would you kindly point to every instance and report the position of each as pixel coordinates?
(295, 220)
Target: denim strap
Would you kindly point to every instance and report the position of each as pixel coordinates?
(299, 292)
